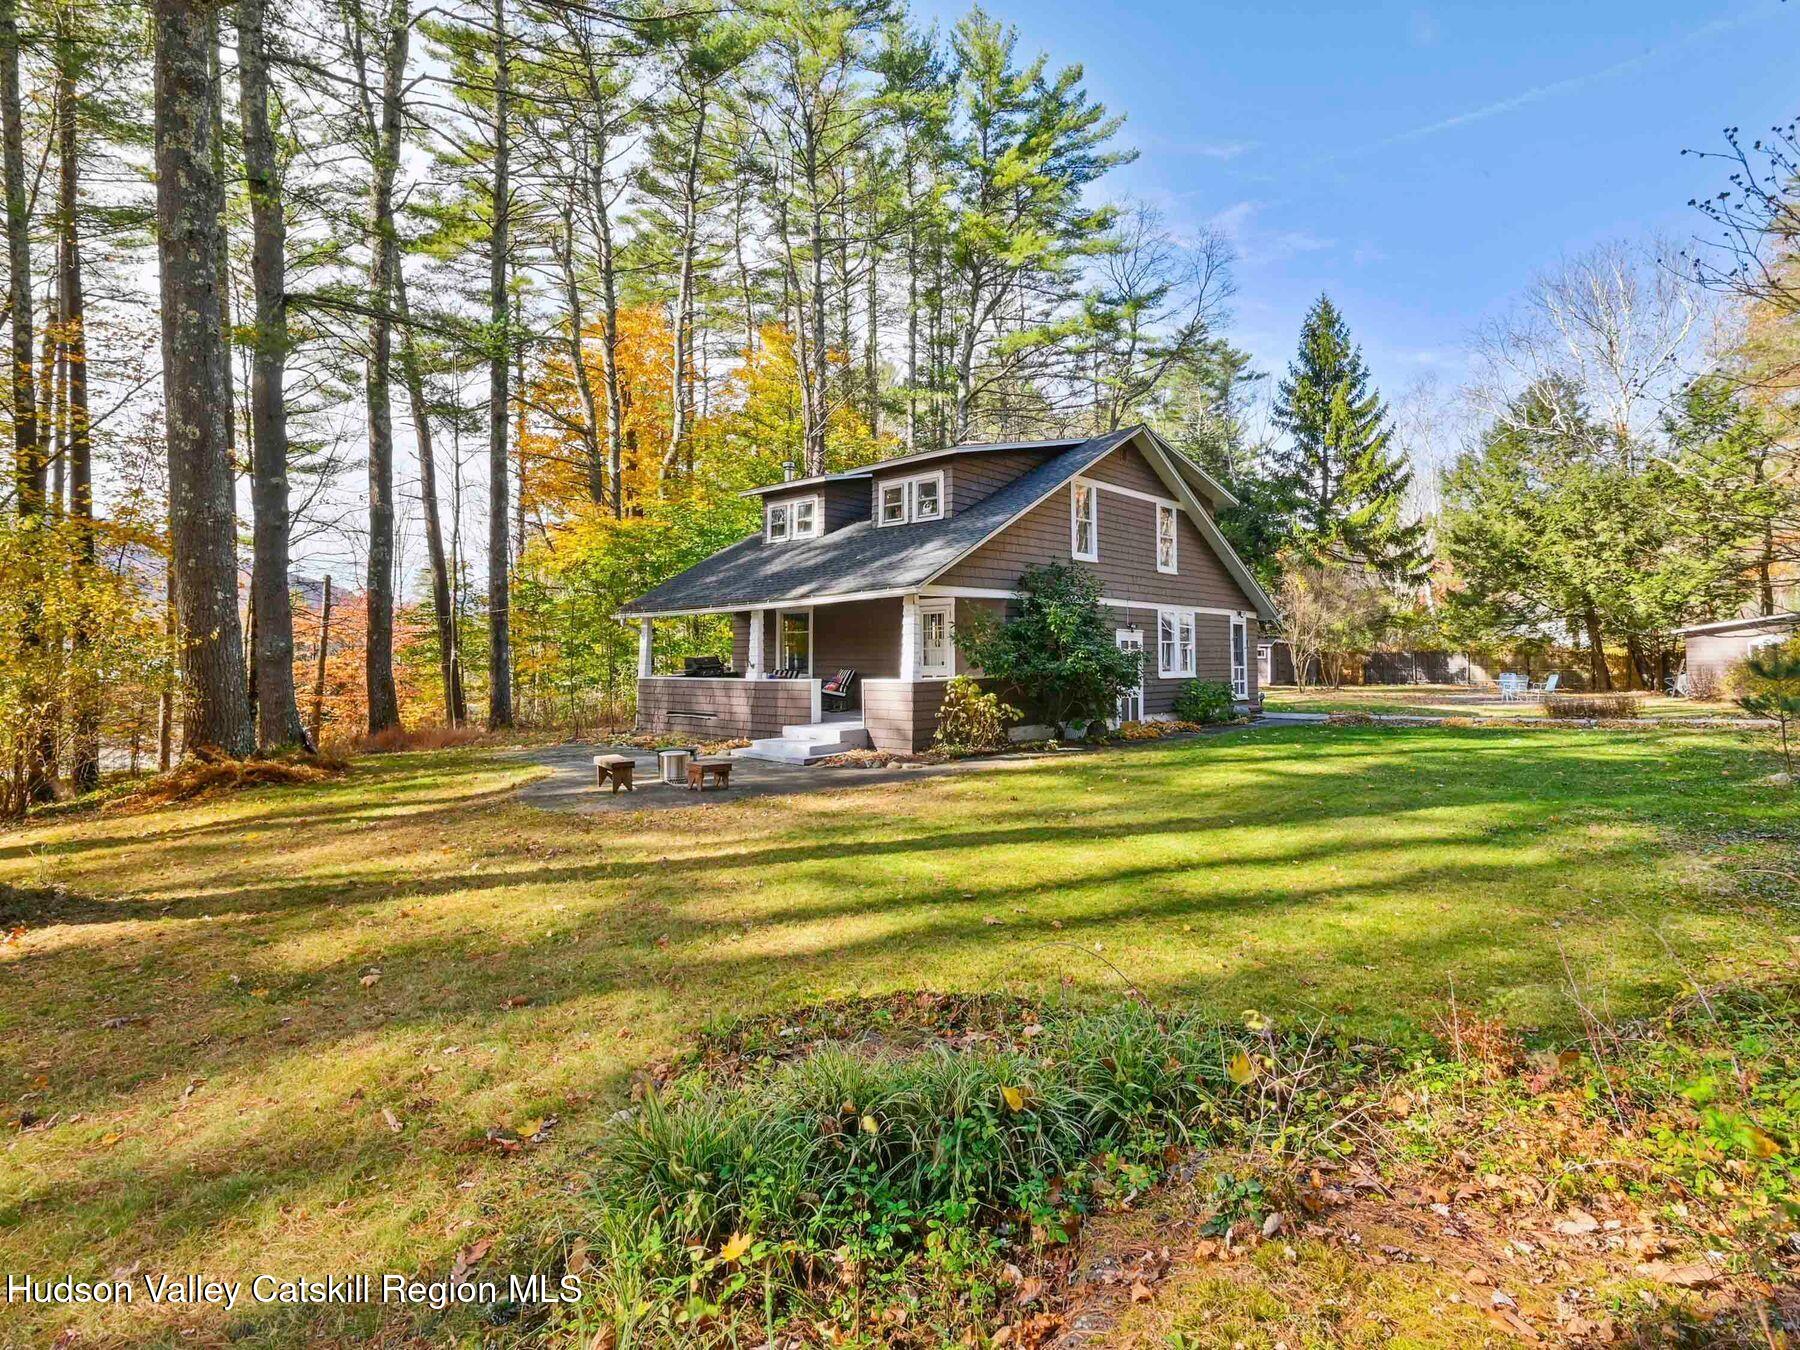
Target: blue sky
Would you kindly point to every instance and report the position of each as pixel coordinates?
(1418, 162)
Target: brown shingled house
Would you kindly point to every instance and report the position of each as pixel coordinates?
(872, 570)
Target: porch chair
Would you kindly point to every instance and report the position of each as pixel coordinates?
(1511, 686)
(1548, 687)
(838, 688)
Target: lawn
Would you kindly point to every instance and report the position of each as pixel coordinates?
(281, 1032)
(1451, 700)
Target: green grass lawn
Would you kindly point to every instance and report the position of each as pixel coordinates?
(1448, 700)
(220, 1085)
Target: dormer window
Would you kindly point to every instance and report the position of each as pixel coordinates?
(900, 501)
(792, 520)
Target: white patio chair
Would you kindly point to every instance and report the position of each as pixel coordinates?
(1511, 688)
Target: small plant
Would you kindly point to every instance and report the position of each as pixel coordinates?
(1205, 701)
(972, 719)
(1591, 707)
(1769, 686)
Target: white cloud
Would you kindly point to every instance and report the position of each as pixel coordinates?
(1238, 223)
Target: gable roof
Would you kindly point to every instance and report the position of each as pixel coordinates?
(864, 560)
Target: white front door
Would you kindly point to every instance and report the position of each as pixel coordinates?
(935, 635)
(1131, 702)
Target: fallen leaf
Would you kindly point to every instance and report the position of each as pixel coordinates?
(1241, 1069)
(1688, 1275)
(1140, 1292)
(735, 1247)
(372, 979)
(1578, 1222)
(393, 1121)
(578, 1257)
(469, 1257)
(1014, 1098)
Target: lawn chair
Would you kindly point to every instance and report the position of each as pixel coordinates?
(1511, 687)
(838, 688)
(1548, 687)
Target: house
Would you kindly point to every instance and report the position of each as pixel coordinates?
(1714, 648)
(874, 568)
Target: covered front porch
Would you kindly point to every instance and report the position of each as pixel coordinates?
(785, 682)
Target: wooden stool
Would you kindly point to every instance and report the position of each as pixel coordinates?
(616, 767)
(699, 770)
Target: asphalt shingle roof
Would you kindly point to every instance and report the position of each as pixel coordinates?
(861, 557)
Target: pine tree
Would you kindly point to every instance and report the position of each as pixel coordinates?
(1345, 487)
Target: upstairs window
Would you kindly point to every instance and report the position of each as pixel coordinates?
(1165, 537)
(893, 504)
(800, 519)
(1084, 534)
(928, 497)
(910, 500)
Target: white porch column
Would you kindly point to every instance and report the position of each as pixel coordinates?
(646, 650)
(909, 637)
(753, 663)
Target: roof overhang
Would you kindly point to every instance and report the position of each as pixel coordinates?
(1787, 620)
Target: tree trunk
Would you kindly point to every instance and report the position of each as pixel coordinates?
(29, 461)
(384, 703)
(277, 711)
(1597, 652)
(202, 516)
(84, 758)
(500, 701)
(456, 710)
(318, 700)
(684, 288)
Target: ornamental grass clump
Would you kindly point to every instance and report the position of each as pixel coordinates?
(893, 1164)
(1592, 707)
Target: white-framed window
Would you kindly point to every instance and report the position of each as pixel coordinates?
(1165, 537)
(928, 497)
(1174, 643)
(892, 509)
(793, 519)
(901, 501)
(1084, 531)
(1240, 656)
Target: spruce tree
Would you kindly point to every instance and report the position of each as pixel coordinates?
(1345, 486)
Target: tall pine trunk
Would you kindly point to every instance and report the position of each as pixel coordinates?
(30, 478)
(500, 700)
(202, 516)
(384, 703)
(456, 711)
(277, 710)
(84, 757)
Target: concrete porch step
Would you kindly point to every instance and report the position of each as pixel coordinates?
(802, 744)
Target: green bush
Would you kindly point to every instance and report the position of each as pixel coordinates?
(1059, 645)
(971, 719)
(1205, 701)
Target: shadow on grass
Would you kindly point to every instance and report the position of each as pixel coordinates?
(1337, 869)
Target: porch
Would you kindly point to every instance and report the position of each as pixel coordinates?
(772, 693)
